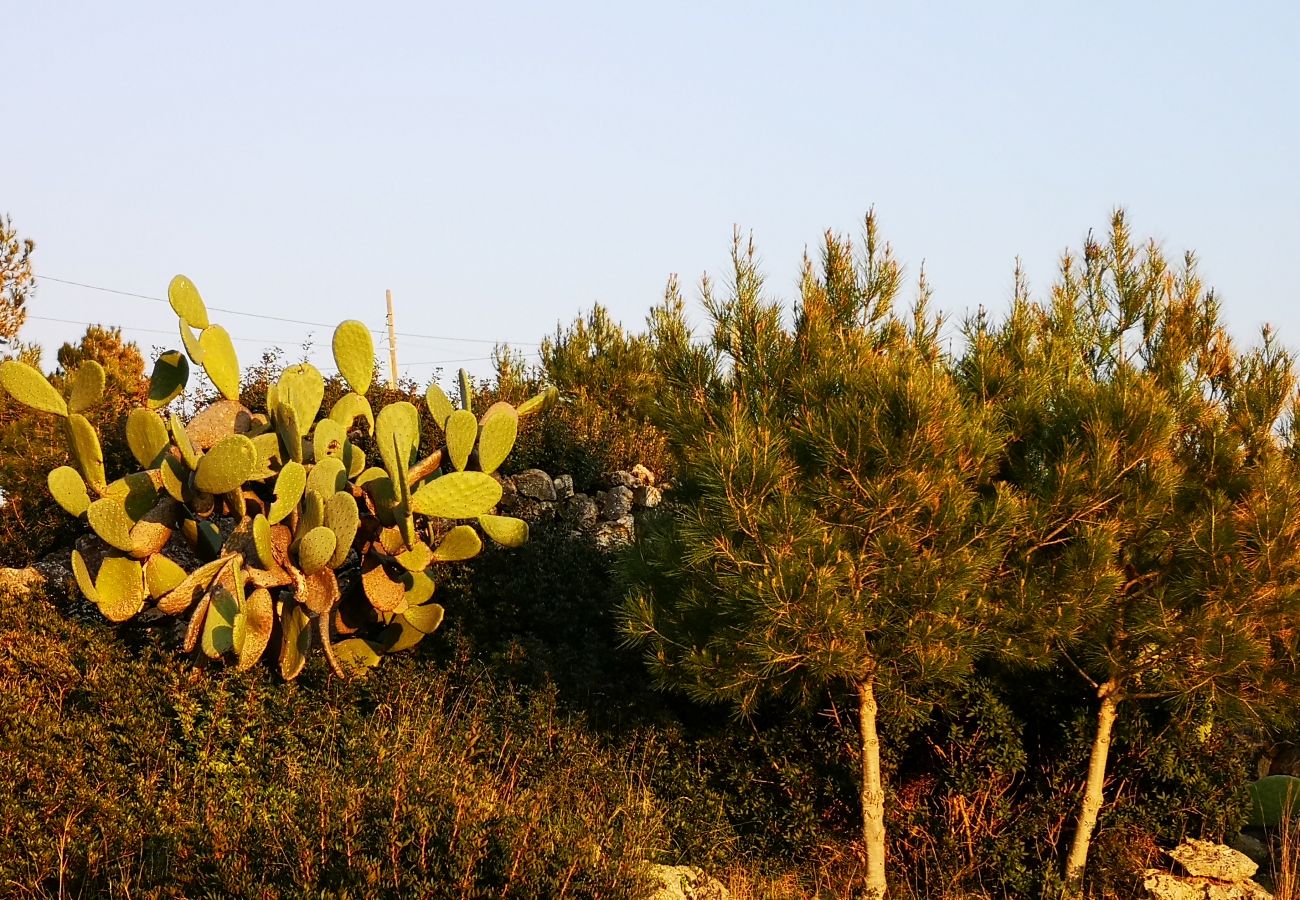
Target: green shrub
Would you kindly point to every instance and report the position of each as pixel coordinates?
(126, 771)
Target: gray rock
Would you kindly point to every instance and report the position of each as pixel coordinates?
(622, 479)
(647, 495)
(618, 503)
(92, 550)
(642, 474)
(684, 883)
(615, 534)
(582, 509)
(1210, 860)
(535, 485)
(1251, 846)
(563, 487)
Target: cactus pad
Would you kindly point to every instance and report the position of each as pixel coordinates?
(186, 302)
(87, 386)
(253, 627)
(458, 495)
(356, 655)
(171, 372)
(462, 432)
(109, 519)
(189, 453)
(219, 623)
(84, 441)
(68, 489)
(327, 476)
(225, 466)
(505, 530)
(440, 405)
(343, 518)
(397, 432)
(220, 361)
(289, 485)
(500, 427)
(120, 585)
(162, 576)
(543, 401)
(351, 406)
(384, 588)
(84, 581)
(147, 437)
(426, 617)
(466, 391)
(295, 643)
(30, 388)
(461, 543)
(303, 388)
(315, 549)
(329, 439)
(354, 354)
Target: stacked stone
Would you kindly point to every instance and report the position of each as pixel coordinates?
(609, 514)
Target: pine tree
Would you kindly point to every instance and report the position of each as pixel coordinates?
(16, 279)
(1158, 558)
(838, 519)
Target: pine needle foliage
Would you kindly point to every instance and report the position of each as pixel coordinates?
(1158, 555)
(839, 518)
(17, 281)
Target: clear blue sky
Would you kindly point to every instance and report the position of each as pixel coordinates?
(501, 165)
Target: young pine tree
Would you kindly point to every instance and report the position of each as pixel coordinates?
(837, 518)
(1158, 558)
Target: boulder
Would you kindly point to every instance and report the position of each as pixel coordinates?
(1210, 860)
(617, 533)
(1163, 886)
(563, 487)
(1214, 872)
(622, 479)
(1252, 846)
(618, 503)
(684, 883)
(535, 485)
(647, 495)
(642, 474)
(582, 509)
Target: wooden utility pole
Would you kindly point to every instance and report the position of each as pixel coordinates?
(392, 342)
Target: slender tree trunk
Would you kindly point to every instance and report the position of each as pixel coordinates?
(1090, 807)
(873, 791)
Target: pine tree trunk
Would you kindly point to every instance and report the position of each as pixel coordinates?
(1090, 807)
(873, 792)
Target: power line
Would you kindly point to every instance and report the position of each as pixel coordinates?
(266, 341)
(263, 341)
(236, 312)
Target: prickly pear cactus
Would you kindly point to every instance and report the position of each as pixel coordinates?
(300, 539)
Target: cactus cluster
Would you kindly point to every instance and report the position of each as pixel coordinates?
(298, 539)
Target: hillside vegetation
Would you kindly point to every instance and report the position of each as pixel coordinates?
(996, 610)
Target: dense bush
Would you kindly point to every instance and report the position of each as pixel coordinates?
(125, 770)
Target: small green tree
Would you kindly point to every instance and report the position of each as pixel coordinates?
(837, 517)
(606, 378)
(16, 279)
(1159, 551)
